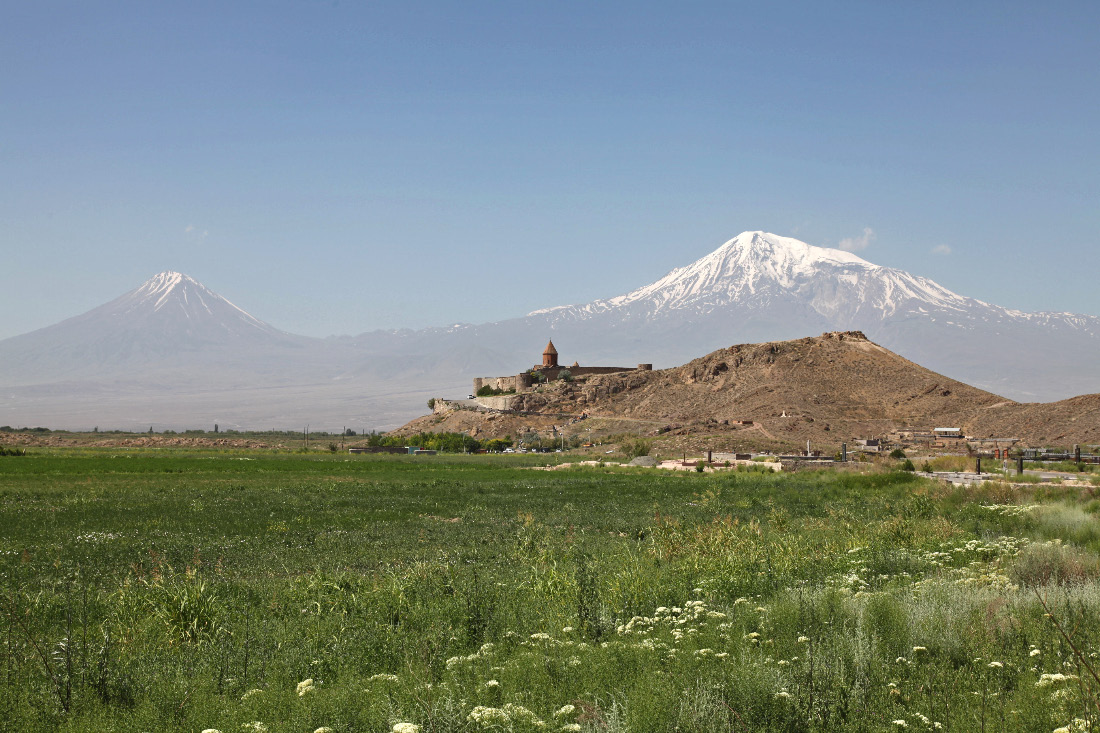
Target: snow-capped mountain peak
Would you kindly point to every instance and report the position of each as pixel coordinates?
(173, 292)
(744, 263)
(761, 287)
(755, 268)
(160, 286)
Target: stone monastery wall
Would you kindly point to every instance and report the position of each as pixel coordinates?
(523, 382)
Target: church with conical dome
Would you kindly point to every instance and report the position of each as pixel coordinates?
(550, 356)
(548, 371)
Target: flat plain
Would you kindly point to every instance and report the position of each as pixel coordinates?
(186, 590)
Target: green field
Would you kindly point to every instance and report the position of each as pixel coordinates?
(184, 591)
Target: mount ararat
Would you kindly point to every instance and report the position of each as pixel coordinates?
(173, 354)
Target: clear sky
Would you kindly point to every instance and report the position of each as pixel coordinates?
(345, 166)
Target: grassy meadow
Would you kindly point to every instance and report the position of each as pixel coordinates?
(245, 591)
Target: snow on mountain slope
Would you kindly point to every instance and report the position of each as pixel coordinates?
(170, 322)
(754, 267)
(172, 299)
(761, 287)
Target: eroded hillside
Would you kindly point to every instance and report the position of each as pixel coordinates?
(828, 389)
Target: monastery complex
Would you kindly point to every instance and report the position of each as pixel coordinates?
(548, 371)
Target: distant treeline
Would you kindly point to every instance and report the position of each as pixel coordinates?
(444, 442)
(193, 431)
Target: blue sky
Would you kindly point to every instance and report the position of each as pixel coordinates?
(340, 167)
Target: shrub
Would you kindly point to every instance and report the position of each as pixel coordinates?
(1047, 563)
(487, 391)
(431, 403)
(897, 453)
(636, 448)
(907, 465)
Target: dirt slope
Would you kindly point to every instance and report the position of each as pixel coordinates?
(827, 389)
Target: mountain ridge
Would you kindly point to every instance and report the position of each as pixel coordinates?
(174, 334)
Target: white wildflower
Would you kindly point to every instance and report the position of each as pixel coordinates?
(305, 687)
(803, 639)
(255, 727)
(1046, 680)
(510, 713)
(382, 677)
(901, 723)
(251, 693)
(995, 665)
(405, 728)
(492, 683)
(571, 727)
(1034, 653)
(564, 710)
(324, 729)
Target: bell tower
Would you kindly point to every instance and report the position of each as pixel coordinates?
(550, 355)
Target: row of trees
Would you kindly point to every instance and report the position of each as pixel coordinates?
(443, 442)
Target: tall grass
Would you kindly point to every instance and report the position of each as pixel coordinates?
(183, 591)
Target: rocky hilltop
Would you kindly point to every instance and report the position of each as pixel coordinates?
(829, 389)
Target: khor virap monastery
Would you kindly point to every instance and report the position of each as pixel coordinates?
(548, 371)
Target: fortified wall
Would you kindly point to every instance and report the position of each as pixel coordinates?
(551, 370)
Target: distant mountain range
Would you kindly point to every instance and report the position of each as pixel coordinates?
(174, 354)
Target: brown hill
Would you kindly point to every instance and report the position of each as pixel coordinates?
(828, 390)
